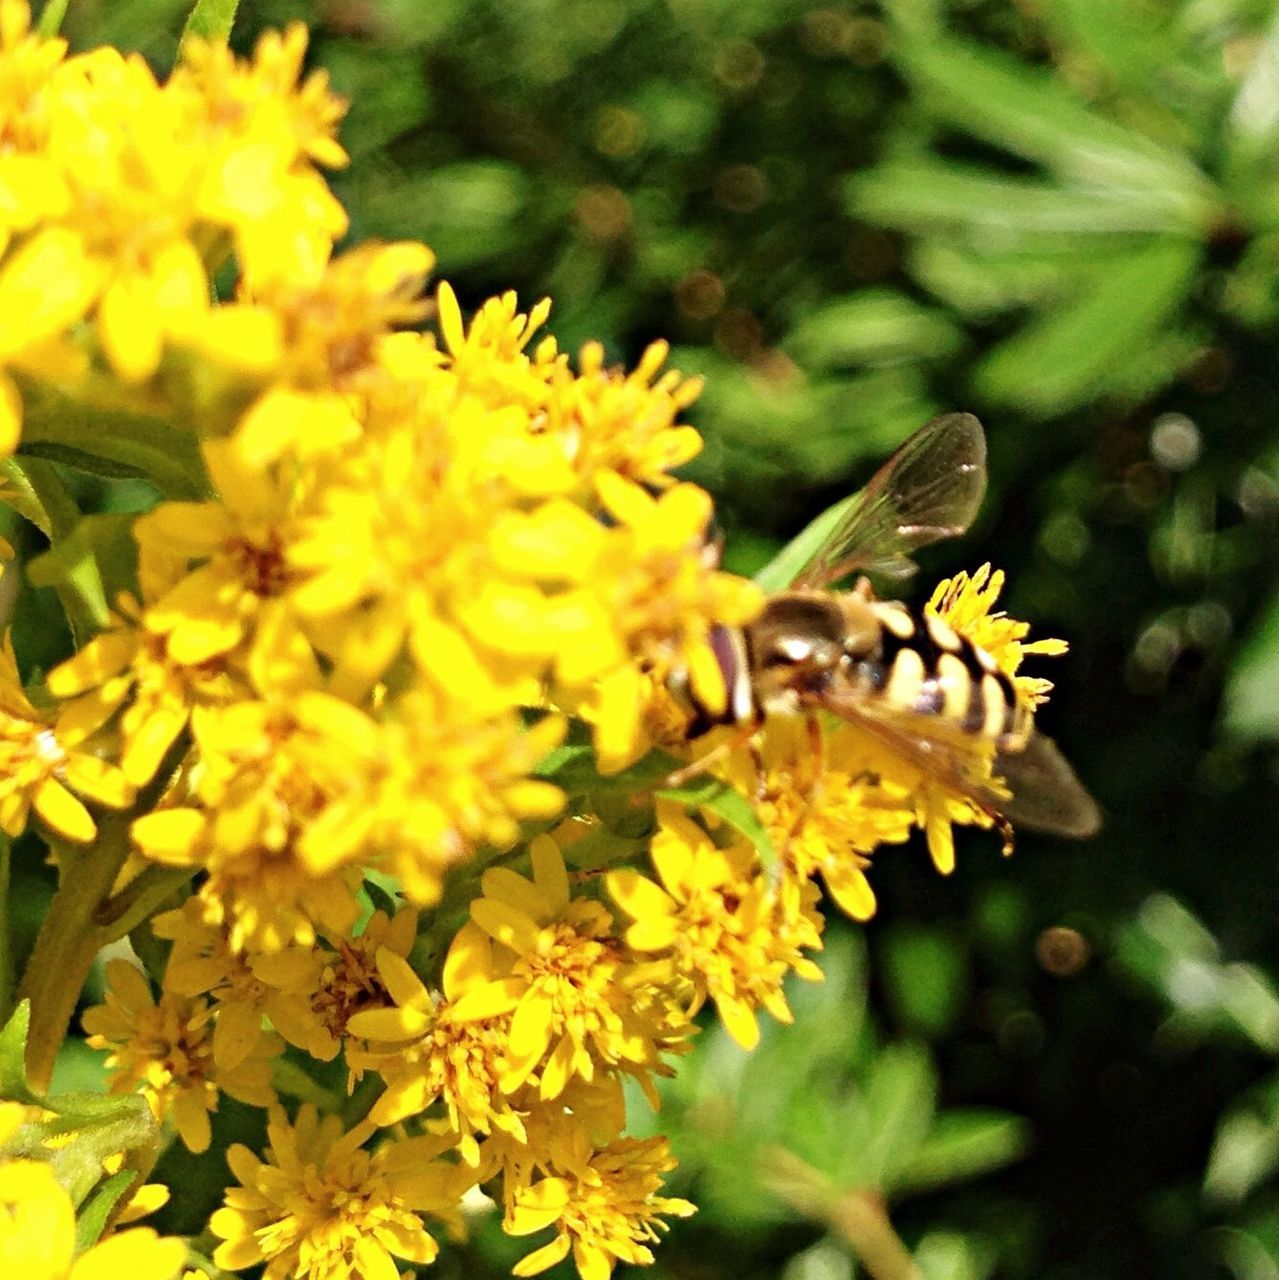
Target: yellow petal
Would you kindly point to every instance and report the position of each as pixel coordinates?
(45, 286)
(170, 835)
(10, 415)
(129, 329)
(63, 812)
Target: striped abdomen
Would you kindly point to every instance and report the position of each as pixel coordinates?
(925, 667)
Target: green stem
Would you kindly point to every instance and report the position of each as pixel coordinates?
(141, 897)
(858, 1216)
(51, 18)
(72, 933)
(210, 20)
(288, 1078)
(67, 943)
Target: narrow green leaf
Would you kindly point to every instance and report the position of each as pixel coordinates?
(1072, 354)
(900, 1099)
(112, 442)
(925, 193)
(13, 1052)
(1036, 115)
(962, 1144)
(876, 326)
(211, 20)
(98, 1209)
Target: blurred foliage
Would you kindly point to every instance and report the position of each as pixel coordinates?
(1062, 215)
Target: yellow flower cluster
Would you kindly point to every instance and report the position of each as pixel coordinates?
(414, 599)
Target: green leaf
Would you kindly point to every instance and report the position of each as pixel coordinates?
(1036, 115)
(96, 1212)
(112, 442)
(962, 1144)
(782, 570)
(92, 564)
(873, 327)
(925, 194)
(13, 1053)
(211, 20)
(900, 1098)
(1252, 689)
(1083, 349)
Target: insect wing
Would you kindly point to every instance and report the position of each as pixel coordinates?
(1046, 794)
(930, 489)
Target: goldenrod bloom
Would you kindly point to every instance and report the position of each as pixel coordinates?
(559, 971)
(165, 1047)
(321, 1208)
(604, 1208)
(39, 770)
(717, 917)
(965, 602)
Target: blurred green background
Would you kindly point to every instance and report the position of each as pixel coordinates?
(1062, 215)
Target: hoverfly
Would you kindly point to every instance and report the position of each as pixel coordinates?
(905, 676)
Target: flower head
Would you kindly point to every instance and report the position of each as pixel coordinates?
(319, 1207)
(165, 1047)
(604, 1207)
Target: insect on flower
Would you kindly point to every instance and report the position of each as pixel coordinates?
(905, 676)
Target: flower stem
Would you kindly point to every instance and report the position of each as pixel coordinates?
(858, 1216)
(74, 930)
(68, 941)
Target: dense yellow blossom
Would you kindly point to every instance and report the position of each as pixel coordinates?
(320, 1206)
(604, 1209)
(165, 1047)
(422, 587)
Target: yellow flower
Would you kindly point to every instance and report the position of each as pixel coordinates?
(452, 781)
(38, 1238)
(562, 978)
(320, 1208)
(166, 1049)
(278, 986)
(127, 670)
(425, 1053)
(332, 333)
(350, 981)
(258, 134)
(719, 920)
(604, 1207)
(215, 573)
(39, 770)
(965, 602)
(282, 816)
(827, 815)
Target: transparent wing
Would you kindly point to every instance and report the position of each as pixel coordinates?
(1046, 793)
(929, 489)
